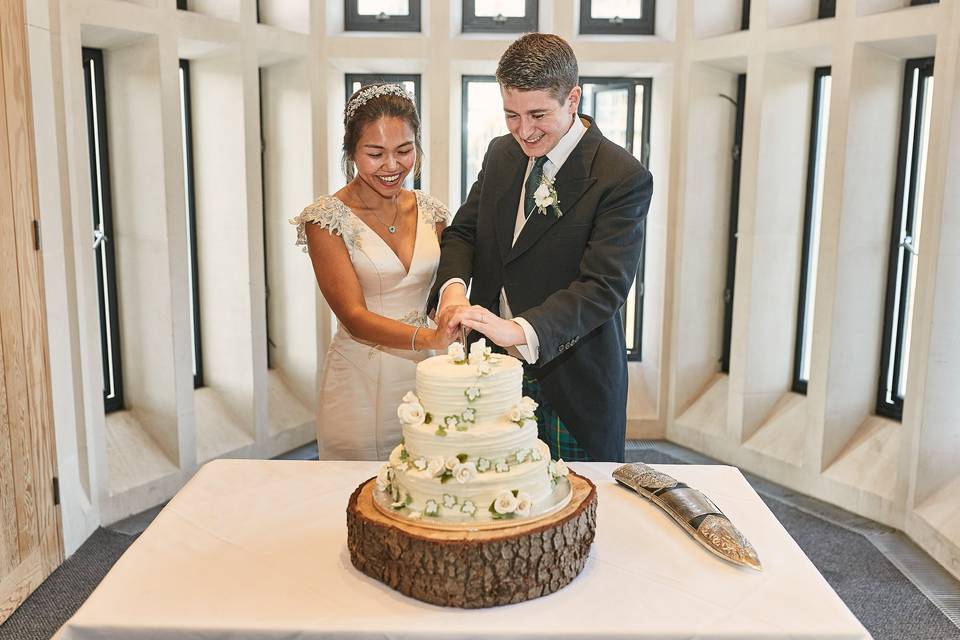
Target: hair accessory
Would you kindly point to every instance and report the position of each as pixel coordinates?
(375, 91)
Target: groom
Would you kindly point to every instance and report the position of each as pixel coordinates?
(549, 239)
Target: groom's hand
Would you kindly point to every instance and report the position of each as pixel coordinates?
(504, 333)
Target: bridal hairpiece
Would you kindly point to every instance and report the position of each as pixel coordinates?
(375, 91)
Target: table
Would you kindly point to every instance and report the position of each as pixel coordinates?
(257, 549)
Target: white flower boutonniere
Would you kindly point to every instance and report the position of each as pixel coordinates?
(546, 196)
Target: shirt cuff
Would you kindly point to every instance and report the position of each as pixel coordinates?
(531, 350)
(444, 288)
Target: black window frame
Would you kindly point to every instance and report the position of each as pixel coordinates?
(366, 79)
(799, 383)
(353, 20)
(643, 26)
(731, 276)
(182, 5)
(191, 205)
(471, 23)
(893, 346)
(634, 342)
(101, 192)
(745, 16)
(826, 9)
(263, 205)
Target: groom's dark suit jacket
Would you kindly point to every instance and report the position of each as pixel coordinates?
(567, 277)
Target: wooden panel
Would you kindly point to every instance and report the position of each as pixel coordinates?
(30, 536)
(9, 549)
(19, 112)
(15, 377)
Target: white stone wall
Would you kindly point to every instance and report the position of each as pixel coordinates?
(827, 443)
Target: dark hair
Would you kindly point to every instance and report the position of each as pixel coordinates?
(539, 61)
(380, 105)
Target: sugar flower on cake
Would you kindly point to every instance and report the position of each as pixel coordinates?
(483, 464)
(411, 411)
(451, 463)
(502, 466)
(472, 392)
(535, 455)
(523, 412)
(420, 464)
(436, 466)
(415, 515)
(484, 369)
(469, 415)
(521, 455)
(456, 353)
(527, 406)
(468, 507)
(451, 422)
(523, 504)
(505, 502)
(464, 472)
(384, 477)
(449, 501)
(431, 508)
(558, 469)
(479, 351)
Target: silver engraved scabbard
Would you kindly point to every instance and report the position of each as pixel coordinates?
(692, 510)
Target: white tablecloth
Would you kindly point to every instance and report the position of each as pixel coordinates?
(257, 549)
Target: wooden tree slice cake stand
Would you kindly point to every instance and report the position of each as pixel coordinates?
(473, 569)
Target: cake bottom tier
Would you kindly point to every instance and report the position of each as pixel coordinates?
(473, 569)
(430, 496)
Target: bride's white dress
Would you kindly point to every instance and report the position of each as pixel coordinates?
(362, 382)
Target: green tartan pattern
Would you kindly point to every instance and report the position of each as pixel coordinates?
(550, 427)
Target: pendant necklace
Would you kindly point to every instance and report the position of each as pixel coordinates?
(392, 227)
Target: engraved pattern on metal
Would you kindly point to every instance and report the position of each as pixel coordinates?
(724, 539)
(640, 477)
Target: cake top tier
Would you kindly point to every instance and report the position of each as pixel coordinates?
(484, 385)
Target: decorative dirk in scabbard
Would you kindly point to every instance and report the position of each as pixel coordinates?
(692, 510)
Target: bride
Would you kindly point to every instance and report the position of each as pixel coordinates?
(374, 248)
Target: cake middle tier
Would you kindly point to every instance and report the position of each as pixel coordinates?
(493, 440)
(449, 388)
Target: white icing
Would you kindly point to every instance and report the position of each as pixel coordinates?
(444, 464)
(441, 386)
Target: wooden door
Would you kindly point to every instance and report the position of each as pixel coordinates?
(31, 545)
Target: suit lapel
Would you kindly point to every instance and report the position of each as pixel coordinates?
(572, 182)
(510, 175)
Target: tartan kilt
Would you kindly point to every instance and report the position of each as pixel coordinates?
(550, 426)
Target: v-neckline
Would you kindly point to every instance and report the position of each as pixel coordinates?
(416, 235)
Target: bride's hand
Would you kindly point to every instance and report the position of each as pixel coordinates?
(436, 339)
(504, 333)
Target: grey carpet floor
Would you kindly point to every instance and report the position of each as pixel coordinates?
(886, 602)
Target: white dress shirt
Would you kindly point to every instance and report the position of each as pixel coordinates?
(555, 159)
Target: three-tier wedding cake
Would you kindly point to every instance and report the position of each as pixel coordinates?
(470, 452)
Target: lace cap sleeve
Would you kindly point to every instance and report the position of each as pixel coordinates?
(432, 211)
(332, 215)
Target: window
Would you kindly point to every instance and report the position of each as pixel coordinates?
(905, 238)
(182, 5)
(481, 120)
(500, 16)
(734, 221)
(826, 9)
(819, 120)
(621, 108)
(381, 15)
(101, 205)
(263, 201)
(617, 17)
(745, 16)
(186, 133)
(410, 82)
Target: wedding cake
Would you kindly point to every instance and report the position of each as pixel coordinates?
(470, 452)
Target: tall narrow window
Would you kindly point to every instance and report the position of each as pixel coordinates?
(905, 238)
(263, 200)
(826, 9)
(186, 132)
(410, 82)
(745, 15)
(734, 221)
(103, 247)
(621, 109)
(481, 120)
(617, 17)
(811, 226)
(500, 16)
(381, 15)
